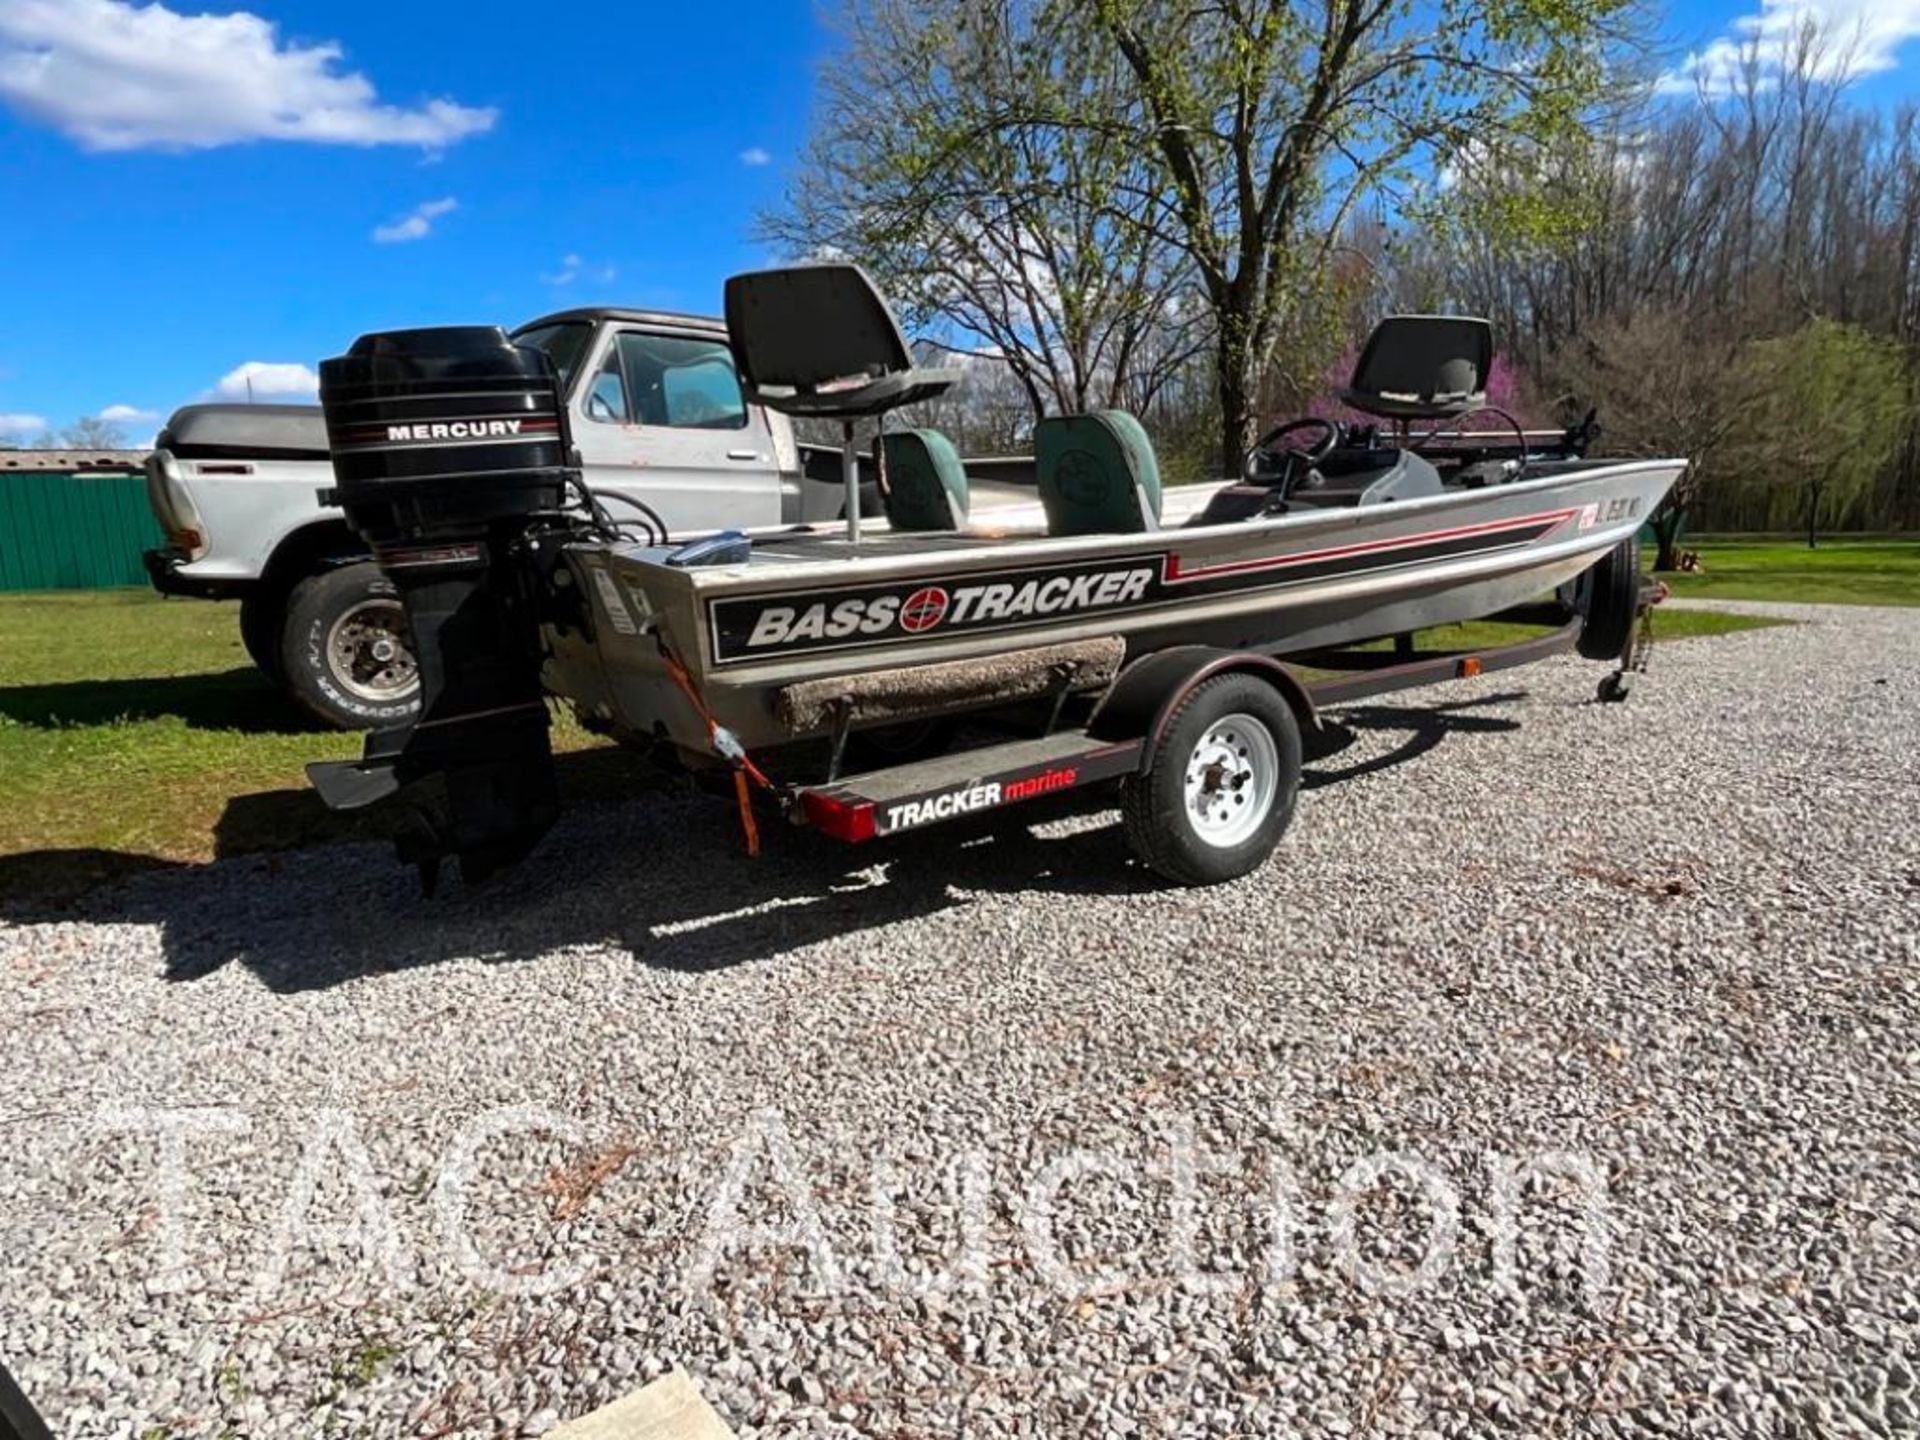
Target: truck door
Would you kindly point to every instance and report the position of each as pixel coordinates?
(661, 417)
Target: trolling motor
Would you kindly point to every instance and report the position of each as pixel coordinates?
(447, 443)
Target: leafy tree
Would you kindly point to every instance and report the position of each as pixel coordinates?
(1272, 119)
(1832, 407)
(1664, 386)
(951, 154)
(1094, 187)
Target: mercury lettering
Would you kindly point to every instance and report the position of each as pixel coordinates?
(455, 430)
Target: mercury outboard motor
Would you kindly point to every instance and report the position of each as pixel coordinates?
(447, 443)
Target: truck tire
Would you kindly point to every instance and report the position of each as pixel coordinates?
(263, 618)
(1220, 784)
(347, 655)
(1612, 600)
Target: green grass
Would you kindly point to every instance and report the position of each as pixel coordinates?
(1667, 625)
(1838, 572)
(134, 731)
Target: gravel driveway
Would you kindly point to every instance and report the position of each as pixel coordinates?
(1559, 1077)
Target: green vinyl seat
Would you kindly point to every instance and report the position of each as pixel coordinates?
(926, 485)
(1097, 473)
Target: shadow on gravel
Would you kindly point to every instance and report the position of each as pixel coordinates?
(1424, 726)
(662, 876)
(665, 878)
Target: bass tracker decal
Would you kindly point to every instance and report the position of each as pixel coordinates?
(855, 617)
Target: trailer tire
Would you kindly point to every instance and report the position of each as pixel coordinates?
(1612, 602)
(263, 618)
(349, 660)
(1220, 783)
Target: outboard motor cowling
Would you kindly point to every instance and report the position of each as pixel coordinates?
(447, 443)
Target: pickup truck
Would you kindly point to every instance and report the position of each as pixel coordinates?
(657, 416)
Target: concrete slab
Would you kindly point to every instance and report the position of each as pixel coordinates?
(668, 1409)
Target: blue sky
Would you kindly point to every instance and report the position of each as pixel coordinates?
(189, 196)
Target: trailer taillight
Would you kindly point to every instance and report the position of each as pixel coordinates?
(842, 820)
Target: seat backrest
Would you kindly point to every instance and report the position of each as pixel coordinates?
(1098, 474)
(926, 483)
(1417, 367)
(820, 340)
(804, 326)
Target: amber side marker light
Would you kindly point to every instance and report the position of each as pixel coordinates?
(1469, 667)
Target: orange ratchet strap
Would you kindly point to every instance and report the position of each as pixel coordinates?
(723, 741)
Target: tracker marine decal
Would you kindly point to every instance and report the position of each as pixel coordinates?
(911, 813)
(853, 617)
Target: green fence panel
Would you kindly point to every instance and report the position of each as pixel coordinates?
(63, 531)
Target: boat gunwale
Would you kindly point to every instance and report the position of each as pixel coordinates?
(838, 570)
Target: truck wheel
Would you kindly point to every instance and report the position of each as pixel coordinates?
(1220, 784)
(1612, 602)
(262, 619)
(347, 649)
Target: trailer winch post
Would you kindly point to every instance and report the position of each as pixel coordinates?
(850, 477)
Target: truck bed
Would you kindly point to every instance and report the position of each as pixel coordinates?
(246, 432)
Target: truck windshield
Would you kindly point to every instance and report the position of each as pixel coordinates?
(564, 341)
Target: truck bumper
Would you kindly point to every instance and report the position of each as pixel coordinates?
(164, 570)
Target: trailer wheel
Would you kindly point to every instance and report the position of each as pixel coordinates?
(1219, 788)
(1612, 602)
(347, 649)
(262, 619)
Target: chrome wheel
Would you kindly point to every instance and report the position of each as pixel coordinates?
(1232, 779)
(370, 651)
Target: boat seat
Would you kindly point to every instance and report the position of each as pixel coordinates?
(1422, 367)
(818, 340)
(1097, 473)
(926, 485)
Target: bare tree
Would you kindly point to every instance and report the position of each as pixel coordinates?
(1705, 224)
(90, 432)
(1665, 390)
(941, 157)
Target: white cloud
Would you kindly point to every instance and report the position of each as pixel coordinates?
(755, 156)
(1857, 37)
(268, 380)
(417, 224)
(19, 423)
(128, 415)
(114, 76)
(572, 268)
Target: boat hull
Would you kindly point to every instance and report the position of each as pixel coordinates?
(809, 608)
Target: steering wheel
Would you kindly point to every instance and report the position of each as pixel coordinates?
(1267, 461)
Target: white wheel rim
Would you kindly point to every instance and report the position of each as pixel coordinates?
(1232, 780)
(371, 654)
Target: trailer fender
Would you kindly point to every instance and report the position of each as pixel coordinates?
(1145, 694)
